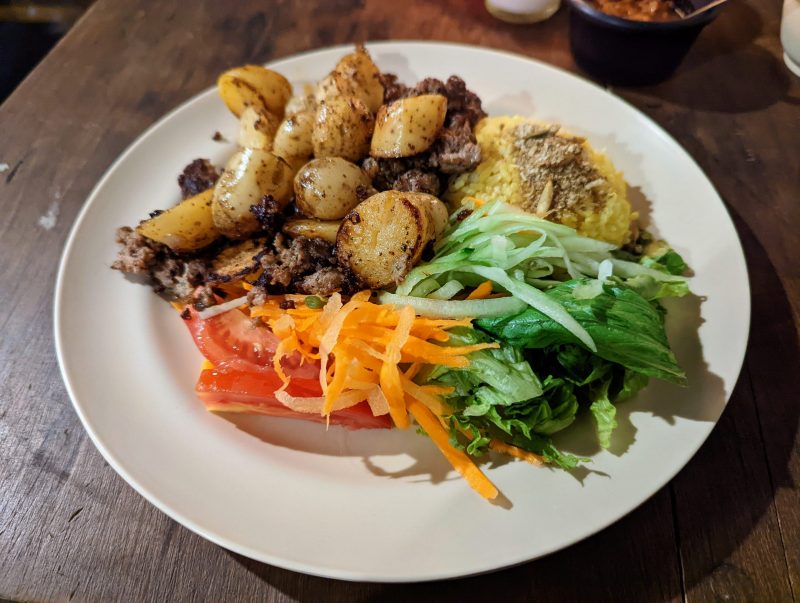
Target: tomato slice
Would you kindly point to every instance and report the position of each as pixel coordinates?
(227, 388)
(243, 379)
(232, 335)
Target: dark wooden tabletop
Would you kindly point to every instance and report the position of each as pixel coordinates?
(726, 528)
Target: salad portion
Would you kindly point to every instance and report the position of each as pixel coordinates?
(323, 278)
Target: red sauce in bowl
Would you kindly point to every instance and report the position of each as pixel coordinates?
(638, 10)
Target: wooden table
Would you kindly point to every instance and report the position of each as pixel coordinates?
(726, 528)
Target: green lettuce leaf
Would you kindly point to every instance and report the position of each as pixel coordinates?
(651, 289)
(626, 328)
(496, 376)
(604, 414)
(631, 384)
(662, 257)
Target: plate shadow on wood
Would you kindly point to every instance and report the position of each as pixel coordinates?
(551, 578)
(725, 498)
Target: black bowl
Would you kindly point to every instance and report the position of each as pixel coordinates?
(634, 53)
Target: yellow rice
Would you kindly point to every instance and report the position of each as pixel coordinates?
(607, 216)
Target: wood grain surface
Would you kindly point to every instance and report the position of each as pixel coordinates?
(727, 528)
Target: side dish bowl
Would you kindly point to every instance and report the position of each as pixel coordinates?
(628, 52)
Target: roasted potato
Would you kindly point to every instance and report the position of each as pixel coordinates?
(335, 84)
(257, 130)
(236, 261)
(186, 227)
(408, 126)
(354, 75)
(359, 68)
(293, 138)
(439, 215)
(326, 188)
(342, 128)
(249, 175)
(302, 102)
(384, 236)
(254, 86)
(312, 229)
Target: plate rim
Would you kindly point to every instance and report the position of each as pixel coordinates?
(342, 574)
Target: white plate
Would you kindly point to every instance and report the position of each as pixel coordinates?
(384, 506)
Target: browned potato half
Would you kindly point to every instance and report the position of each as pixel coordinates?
(408, 126)
(335, 84)
(383, 237)
(304, 102)
(354, 75)
(359, 68)
(257, 130)
(342, 128)
(186, 227)
(254, 86)
(326, 188)
(312, 229)
(439, 215)
(293, 138)
(236, 261)
(249, 175)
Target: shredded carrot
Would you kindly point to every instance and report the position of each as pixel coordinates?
(482, 291)
(426, 395)
(531, 457)
(390, 375)
(458, 458)
(412, 370)
(373, 352)
(477, 202)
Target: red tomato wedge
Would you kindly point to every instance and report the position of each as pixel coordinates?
(233, 336)
(231, 389)
(243, 379)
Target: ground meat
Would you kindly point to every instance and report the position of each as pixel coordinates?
(268, 213)
(169, 274)
(323, 282)
(417, 181)
(430, 85)
(205, 296)
(456, 150)
(176, 278)
(463, 215)
(462, 102)
(390, 174)
(137, 254)
(383, 172)
(257, 296)
(392, 89)
(198, 176)
(289, 264)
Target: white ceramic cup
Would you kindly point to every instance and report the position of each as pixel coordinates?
(522, 11)
(790, 35)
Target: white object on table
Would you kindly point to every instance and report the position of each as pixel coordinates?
(790, 35)
(522, 11)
